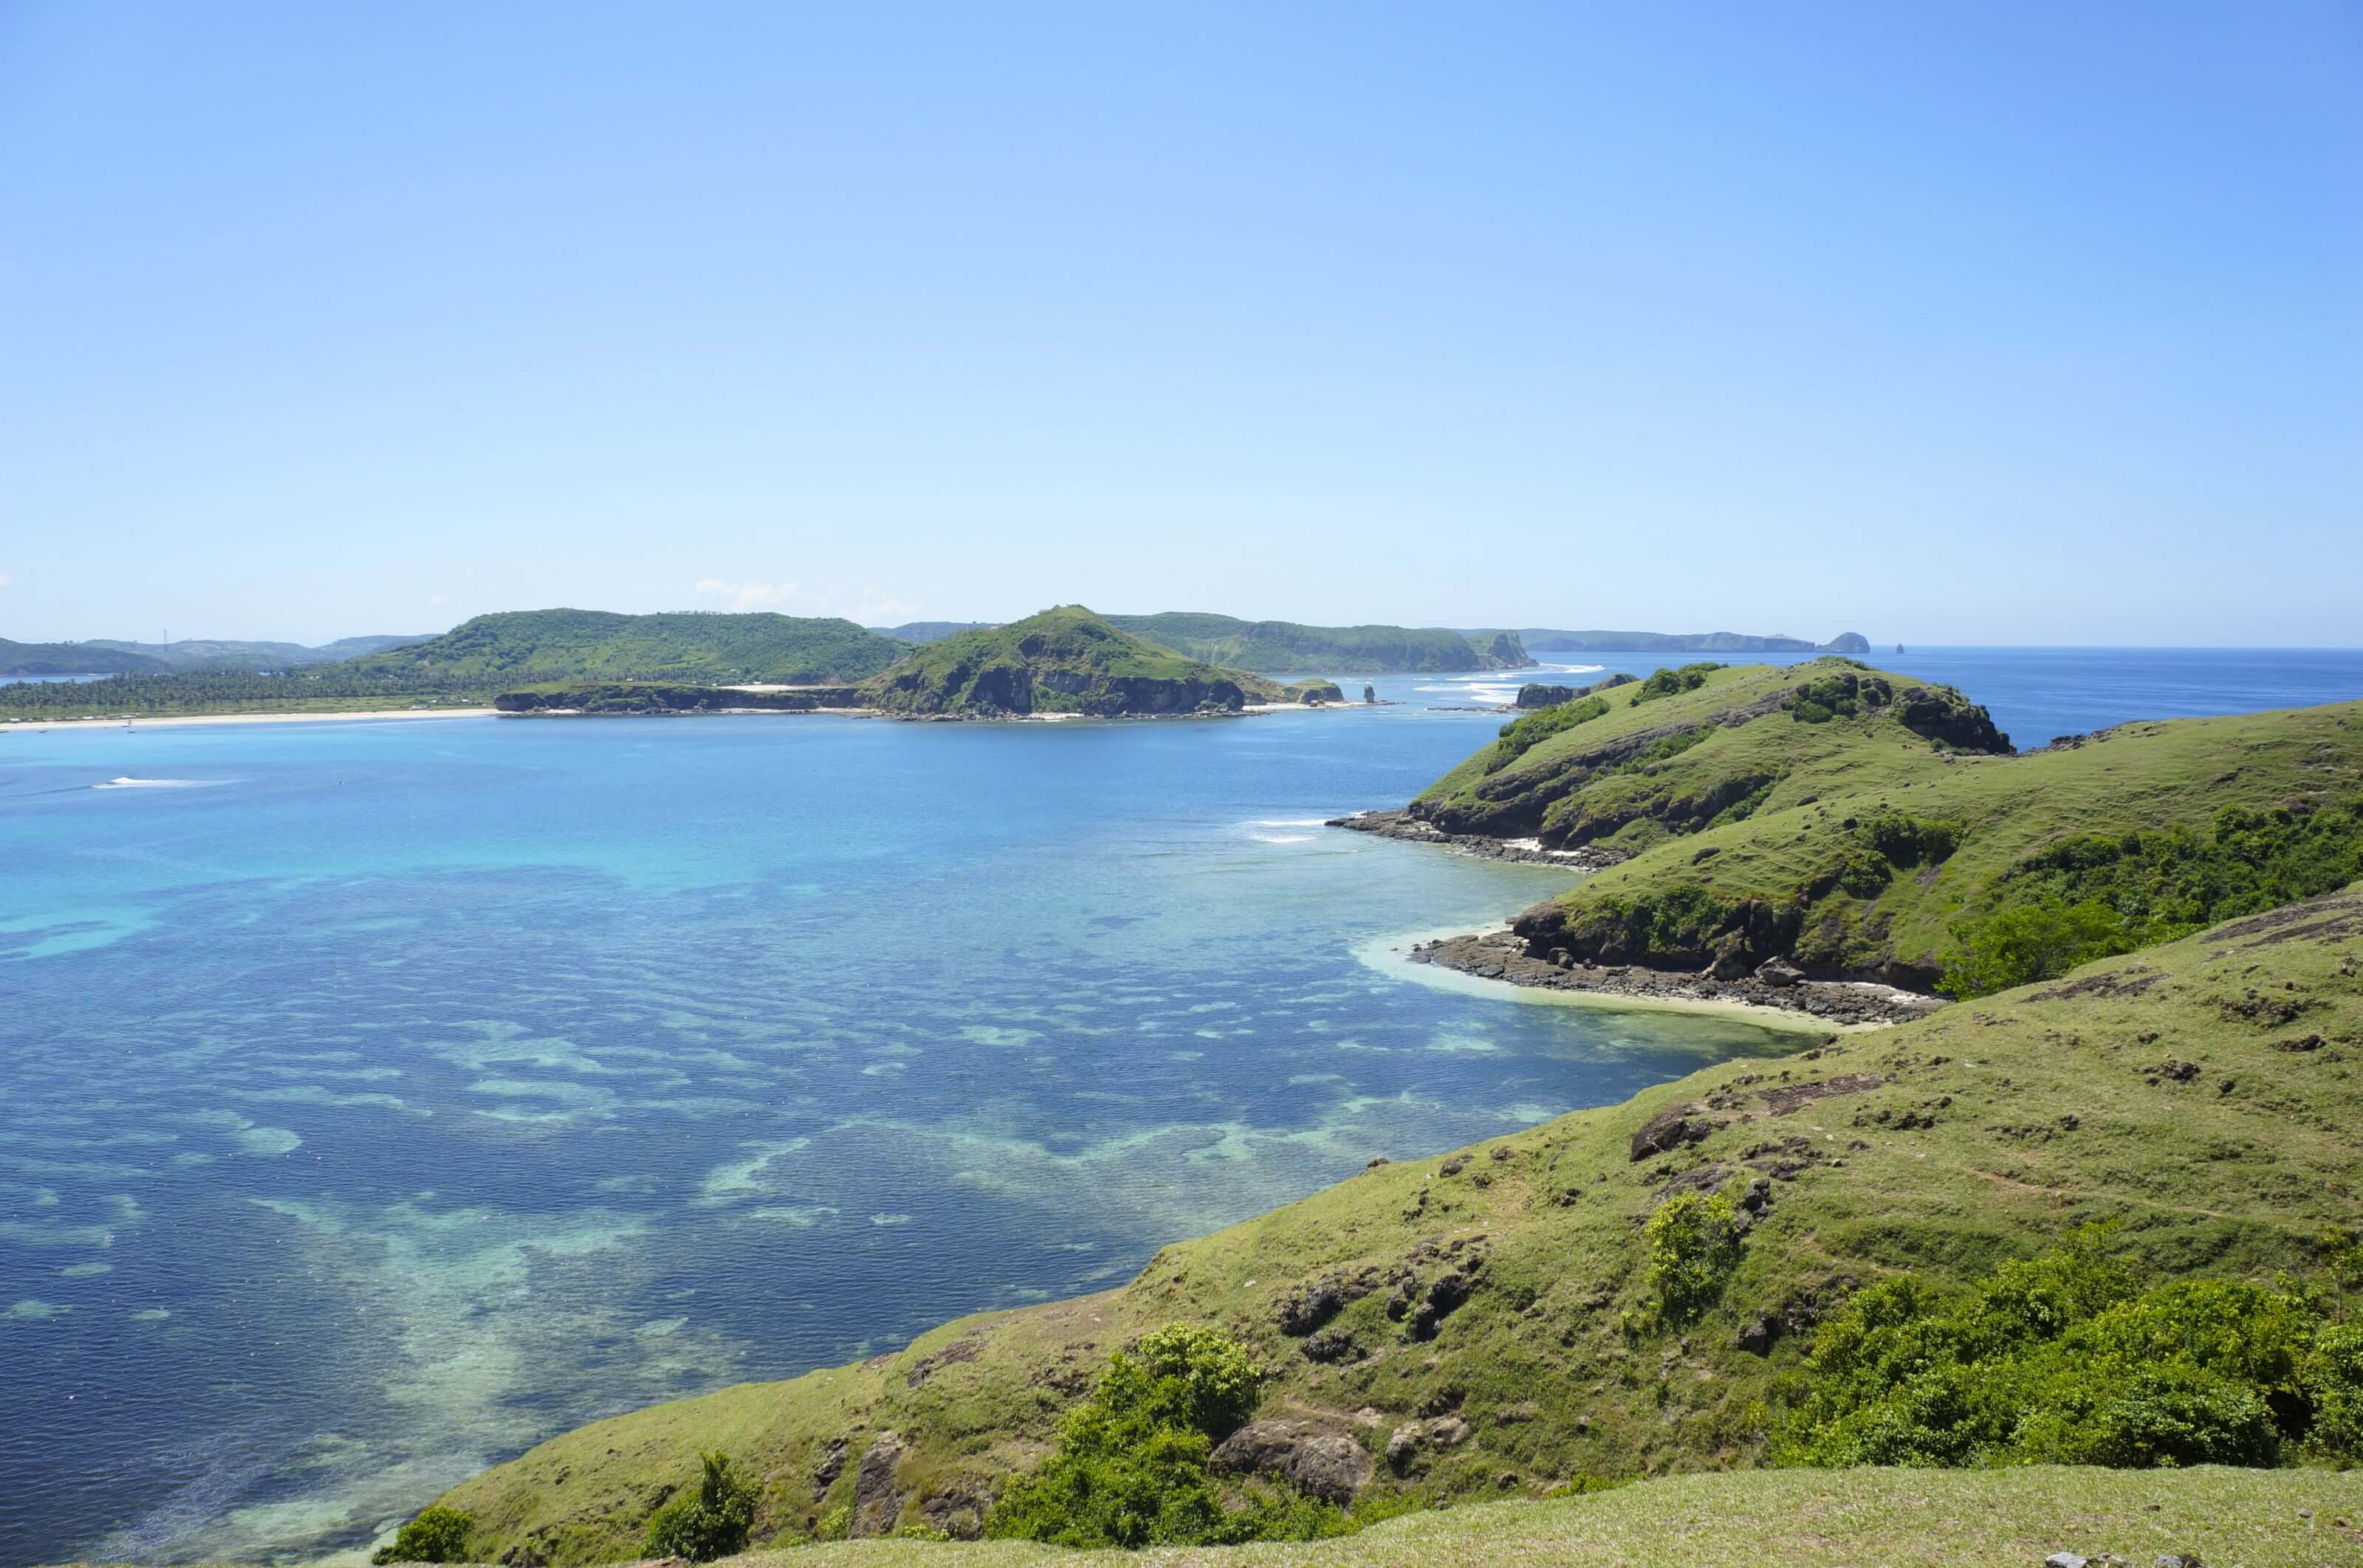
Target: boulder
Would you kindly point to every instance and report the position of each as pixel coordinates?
(1756, 1335)
(1319, 1460)
(1779, 972)
(1670, 1129)
(1730, 961)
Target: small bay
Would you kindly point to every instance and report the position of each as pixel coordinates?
(378, 1098)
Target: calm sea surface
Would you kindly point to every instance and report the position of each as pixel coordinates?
(378, 1098)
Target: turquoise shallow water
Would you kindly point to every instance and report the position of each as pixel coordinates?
(379, 1099)
(376, 1099)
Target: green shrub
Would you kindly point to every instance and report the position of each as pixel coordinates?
(1693, 1240)
(437, 1535)
(2333, 1385)
(711, 1522)
(1910, 841)
(1865, 874)
(1130, 1466)
(1672, 682)
(2021, 944)
(2060, 1359)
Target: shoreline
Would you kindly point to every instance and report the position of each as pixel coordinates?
(1403, 825)
(1498, 956)
(137, 722)
(1400, 955)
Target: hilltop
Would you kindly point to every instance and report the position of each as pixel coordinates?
(1480, 1323)
(1857, 825)
(1064, 660)
(526, 646)
(1287, 647)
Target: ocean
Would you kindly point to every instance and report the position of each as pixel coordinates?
(378, 1098)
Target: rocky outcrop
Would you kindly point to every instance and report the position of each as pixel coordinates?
(1414, 830)
(1944, 716)
(1534, 695)
(1317, 1460)
(1504, 955)
(876, 1502)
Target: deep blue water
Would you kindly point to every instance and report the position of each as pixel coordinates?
(377, 1098)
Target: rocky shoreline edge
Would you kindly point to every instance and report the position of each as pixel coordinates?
(1503, 955)
(1410, 830)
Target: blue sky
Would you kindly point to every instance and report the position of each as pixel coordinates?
(1944, 323)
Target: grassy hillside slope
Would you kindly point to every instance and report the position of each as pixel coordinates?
(1065, 659)
(525, 646)
(1858, 821)
(1287, 647)
(2202, 1095)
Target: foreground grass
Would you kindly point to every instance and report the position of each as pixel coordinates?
(1795, 1519)
(1841, 1518)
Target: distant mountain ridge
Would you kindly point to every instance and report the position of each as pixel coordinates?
(525, 646)
(74, 658)
(1545, 639)
(218, 653)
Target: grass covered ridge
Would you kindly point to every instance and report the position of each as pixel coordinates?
(1870, 825)
(1064, 660)
(1492, 1317)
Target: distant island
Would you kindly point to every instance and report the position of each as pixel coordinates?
(602, 662)
(1545, 639)
(108, 656)
(1065, 661)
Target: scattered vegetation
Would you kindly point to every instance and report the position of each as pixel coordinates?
(1130, 1467)
(1065, 659)
(710, 1522)
(2065, 1359)
(438, 1534)
(2095, 896)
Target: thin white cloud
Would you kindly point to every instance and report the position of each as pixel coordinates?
(871, 607)
(6, 580)
(750, 595)
(439, 598)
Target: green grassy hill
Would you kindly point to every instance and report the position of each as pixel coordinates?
(1064, 660)
(522, 646)
(1485, 1315)
(1863, 823)
(74, 658)
(1285, 647)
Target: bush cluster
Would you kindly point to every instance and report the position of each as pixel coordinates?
(2063, 1359)
(2096, 896)
(710, 1522)
(1693, 1241)
(1672, 682)
(1130, 1466)
(437, 1535)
